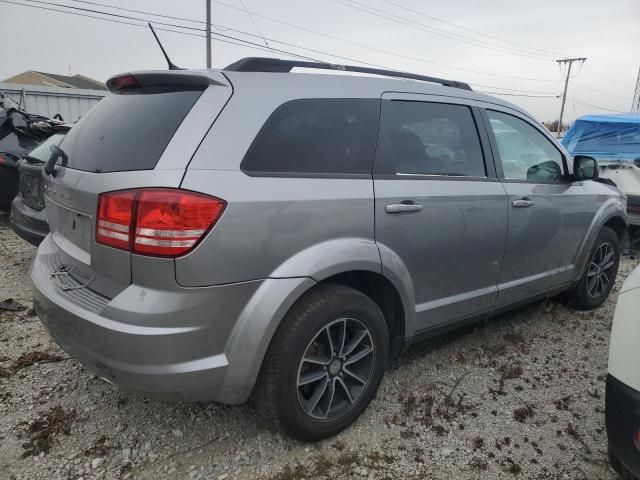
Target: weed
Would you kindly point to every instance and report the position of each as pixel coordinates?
(521, 414)
(563, 403)
(54, 422)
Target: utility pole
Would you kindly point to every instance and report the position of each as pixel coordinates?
(566, 84)
(208, 34)
(635, 104)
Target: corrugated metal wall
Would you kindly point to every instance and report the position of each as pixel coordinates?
(71, 103)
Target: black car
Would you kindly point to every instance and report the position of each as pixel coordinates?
(28, 218)
(20, 133)
(12, 146)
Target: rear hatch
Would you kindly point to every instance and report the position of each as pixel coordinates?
(143, 134)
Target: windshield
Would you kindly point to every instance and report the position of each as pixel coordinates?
(42, 152)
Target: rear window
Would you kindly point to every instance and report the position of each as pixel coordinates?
(317, 136)
(127, 130)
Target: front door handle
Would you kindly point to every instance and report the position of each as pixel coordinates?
(404, 207)
(523, 203)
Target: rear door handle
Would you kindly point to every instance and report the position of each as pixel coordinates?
(394, 208)
(523, 203)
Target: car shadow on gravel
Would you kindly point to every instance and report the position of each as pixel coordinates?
(512, 319)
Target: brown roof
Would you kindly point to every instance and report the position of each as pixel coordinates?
(76, 81)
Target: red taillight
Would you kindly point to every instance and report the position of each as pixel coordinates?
(115, 215)
(155, 221)
(2, 160)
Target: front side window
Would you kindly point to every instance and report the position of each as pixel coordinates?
(317, 136)
(525, 153)
(422, 138)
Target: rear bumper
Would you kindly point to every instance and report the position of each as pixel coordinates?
(168, 344)
(29, 224)
(623, 423)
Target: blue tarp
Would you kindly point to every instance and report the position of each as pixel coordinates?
(605, 137)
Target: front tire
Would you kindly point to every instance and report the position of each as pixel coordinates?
(324, 364)
(600, 274)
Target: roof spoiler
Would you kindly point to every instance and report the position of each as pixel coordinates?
(184, 78)
(277, 65)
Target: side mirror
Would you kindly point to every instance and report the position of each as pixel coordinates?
(585, 168)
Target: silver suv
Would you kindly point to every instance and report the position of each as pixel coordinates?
(217, 235)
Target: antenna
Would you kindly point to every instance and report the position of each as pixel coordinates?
(171, 65)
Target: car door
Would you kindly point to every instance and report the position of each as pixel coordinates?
(548, 213)
(438, 204)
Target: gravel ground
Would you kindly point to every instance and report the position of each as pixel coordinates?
(519, 397)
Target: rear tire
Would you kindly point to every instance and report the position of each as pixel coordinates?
(600, 274)
(311, 385)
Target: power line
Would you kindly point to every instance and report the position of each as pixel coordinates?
(274, 40)
(193, 28)
(315, 32)
(421, 26)
(599, 91)
(511, 89)
(596, 106)
(227, 39)
(86, 2)
(380, 50)
(255, 25)
(502, 94)
(234, 40)
(422, 14)
(608, 78)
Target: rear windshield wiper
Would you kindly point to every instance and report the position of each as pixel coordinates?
(56, 152)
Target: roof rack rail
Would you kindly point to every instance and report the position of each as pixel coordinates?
(277, 65)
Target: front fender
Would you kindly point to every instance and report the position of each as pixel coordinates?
(611, 208)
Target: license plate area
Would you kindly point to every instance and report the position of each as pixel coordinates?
(71, 230)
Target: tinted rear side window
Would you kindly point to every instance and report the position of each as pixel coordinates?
(128, 130)
(423, 138)
(316, 136)
(43, 151)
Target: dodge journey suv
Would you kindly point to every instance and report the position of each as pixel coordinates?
(252, 232)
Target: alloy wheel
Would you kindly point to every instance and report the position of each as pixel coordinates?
(335, 369)
(599, 272)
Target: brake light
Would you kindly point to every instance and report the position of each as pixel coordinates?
(163, 222)
(122, 82)
(2, 160)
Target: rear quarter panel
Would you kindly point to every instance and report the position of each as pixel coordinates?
(269, 220)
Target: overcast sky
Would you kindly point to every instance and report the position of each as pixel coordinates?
(483, 43)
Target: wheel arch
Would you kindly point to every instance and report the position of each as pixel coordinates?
(611, 214)
(354, 262)
(382, 291)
